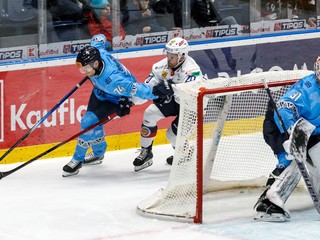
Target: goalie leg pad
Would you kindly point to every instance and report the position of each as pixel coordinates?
(313, 165)
(283, 186)
(281, 183)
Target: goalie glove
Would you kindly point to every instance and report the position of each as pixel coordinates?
(124, 106)
(163, 90)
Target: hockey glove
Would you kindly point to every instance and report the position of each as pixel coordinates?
(163, 90)
(124, 107)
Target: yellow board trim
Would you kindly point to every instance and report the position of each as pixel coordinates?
(116, 142)
(123, 141)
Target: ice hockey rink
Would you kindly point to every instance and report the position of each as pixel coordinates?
(37, 203)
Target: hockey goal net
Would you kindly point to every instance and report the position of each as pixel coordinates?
(220, 143)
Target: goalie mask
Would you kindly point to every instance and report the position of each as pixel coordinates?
(178, 46)
(316, 69)
(87, 56)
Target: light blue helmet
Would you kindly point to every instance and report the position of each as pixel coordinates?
(99, 3)
(99, 38)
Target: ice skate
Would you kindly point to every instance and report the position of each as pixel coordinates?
(144, 159)
(72, 168)
(91, 159)
(269, 212)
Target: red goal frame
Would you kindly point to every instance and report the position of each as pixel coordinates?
(201, 94)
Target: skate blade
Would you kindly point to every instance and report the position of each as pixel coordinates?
(274, 217)
(67, 174)
(97, 162)
(143, 166)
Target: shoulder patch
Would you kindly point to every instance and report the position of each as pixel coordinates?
(195, 73)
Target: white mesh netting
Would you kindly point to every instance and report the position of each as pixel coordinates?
(234, 151)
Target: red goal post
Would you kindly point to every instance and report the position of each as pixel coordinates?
(219, 142)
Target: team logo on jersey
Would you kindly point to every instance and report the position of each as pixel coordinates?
(164, 74)
(289, 105)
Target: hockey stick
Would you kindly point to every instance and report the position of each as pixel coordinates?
(298, 144)
(103, 121)
(42, 119)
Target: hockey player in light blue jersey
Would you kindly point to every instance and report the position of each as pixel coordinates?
(302, 100)
(114, 87)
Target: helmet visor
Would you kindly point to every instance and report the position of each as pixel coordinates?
(84, 69)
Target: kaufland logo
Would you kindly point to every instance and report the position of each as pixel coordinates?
(32, 52)
(65, 114)
(1, 111)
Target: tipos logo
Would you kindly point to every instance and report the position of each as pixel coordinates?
(1, 111)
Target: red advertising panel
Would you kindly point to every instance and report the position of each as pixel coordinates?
(28, 95)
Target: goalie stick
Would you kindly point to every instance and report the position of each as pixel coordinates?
(42, 119)
(297, 147)
(103, 121)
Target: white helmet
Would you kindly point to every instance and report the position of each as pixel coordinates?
(316, 69)
(178, 46)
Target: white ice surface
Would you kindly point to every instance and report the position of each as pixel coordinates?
(37, 203)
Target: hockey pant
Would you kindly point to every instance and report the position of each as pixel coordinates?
(152, 115)
(271, 132)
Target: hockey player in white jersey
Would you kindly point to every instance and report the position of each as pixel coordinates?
(302, 100)
(176, 68)
(114, 86)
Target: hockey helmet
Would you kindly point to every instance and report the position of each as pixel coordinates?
(99, 3)
(178, 46)
(87, 55)
(99, 38)
(316, 69)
